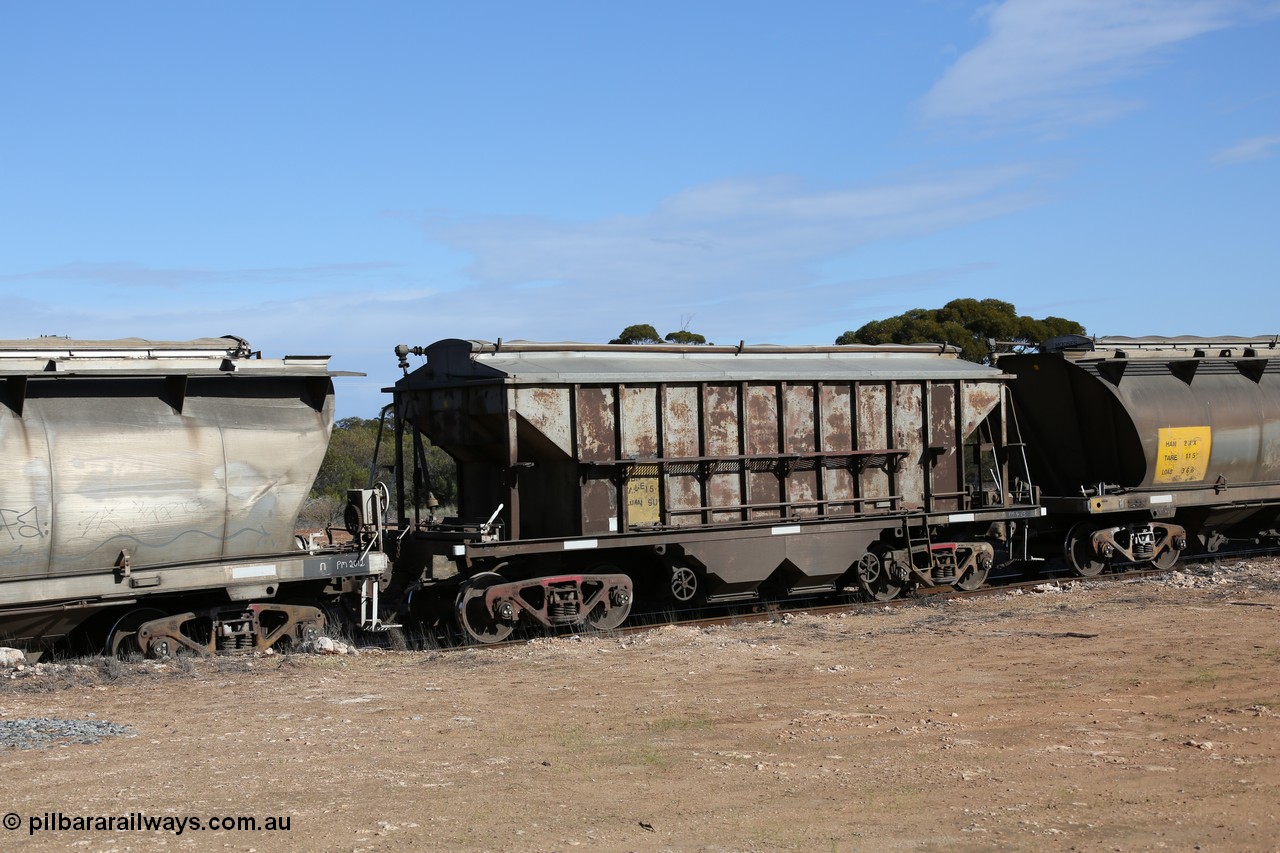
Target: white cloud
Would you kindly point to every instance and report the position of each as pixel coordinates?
(733, 252)
(743, 257)
(1256, 148)
(1047, 63)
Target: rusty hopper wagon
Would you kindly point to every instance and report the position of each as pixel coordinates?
(149, 492)
(591, 474)
(1145, 446)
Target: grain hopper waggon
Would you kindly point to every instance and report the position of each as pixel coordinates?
(149, 493)
(1146, 446)
(590, 474)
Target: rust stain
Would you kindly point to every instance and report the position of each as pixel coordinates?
(680, 421)
(908, 434)
(872, 424)
(801, 433)
(762, 420)
(977, 401)
(595, 425)
(836, 417)
(722, 420)
(640, 422)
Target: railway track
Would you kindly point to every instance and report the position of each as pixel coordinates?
(709, 616)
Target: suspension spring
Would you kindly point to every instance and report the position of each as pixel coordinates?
(563, 606)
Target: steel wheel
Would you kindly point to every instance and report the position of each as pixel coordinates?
(873, 578)
(975, 577)
(474, 617)
(1080, 555)
(686, 587)
(122, 639)
(602, 620)
(1166, 558)
(618, 605)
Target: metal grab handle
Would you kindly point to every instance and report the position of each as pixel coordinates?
(484, 528)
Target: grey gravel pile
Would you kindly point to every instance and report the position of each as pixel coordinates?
(42, 732)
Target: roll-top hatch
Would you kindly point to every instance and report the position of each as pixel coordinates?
(1083, 348)
(51, 357)
(523, 362)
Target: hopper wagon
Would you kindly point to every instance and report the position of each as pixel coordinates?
(1144, 447)
(149, 493)
(593, 476)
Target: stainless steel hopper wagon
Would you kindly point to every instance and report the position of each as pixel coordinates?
(149, 493)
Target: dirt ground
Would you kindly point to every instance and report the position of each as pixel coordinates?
(1135, 716)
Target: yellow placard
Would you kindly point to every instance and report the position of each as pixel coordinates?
(644, 500)
(644, 494)
(1182, 454)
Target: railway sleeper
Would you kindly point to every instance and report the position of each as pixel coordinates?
(223, 629)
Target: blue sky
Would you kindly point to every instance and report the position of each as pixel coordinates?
(342, 177)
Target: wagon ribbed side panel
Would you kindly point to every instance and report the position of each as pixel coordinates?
(803, 482)
(944, 448)
(619, 439)
(641, 439)
(764, 493)
(596, 418)
(908, 418)
(872, 429)
(682, 439)
(723, 425)
(836, 434)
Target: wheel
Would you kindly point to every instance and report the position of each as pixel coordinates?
(122, 639)
(474, 618)
(873, 578)
(351, 519)
(686, 586)
(1080, 556)
(975, 577)
(619, 604)
(384, 496)
(1166, 559)
(600, 620)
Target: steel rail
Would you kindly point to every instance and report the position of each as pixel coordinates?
(771, 611)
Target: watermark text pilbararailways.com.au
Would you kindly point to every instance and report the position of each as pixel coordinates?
(141, 822)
